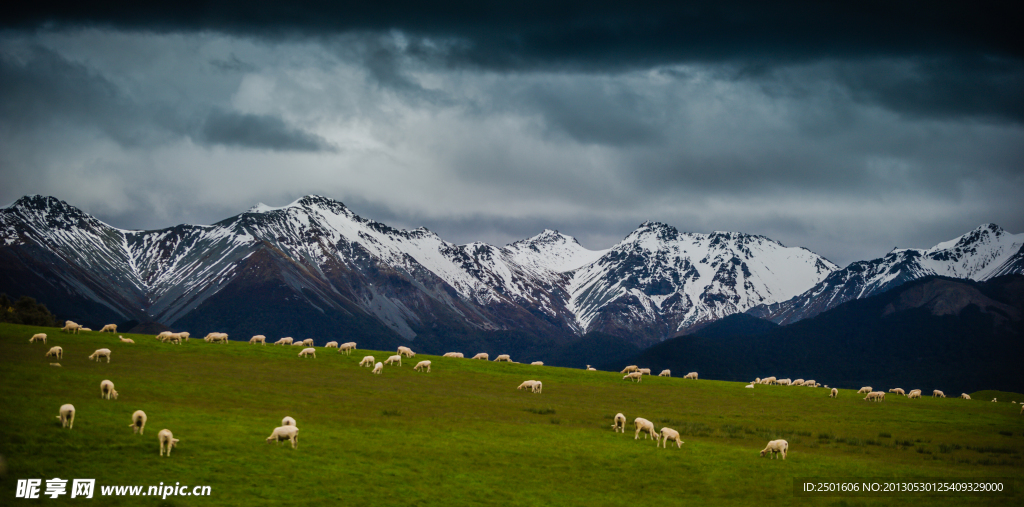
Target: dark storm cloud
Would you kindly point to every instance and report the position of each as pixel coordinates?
(949, 38)
(258, 131)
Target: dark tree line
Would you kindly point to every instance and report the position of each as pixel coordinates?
(25, 311)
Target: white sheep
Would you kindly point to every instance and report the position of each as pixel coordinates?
(125, 340)
(591, 368)
(629, 369)
(184, 336)
(289, 432)
(537, 363)
(308, 352)
(258, 339)
(331, 345)
(162, 334)
(538, 387)
(527, 384)
(637, 376)
(938, 393)
(367, 361)
(993, 400)
(166, 440)
(482, 356)
(284, 341)
(109, 327)
(503, 357)
(85, 329)
(864, 390)
(619, 424)
(287, 421)
(877, 396)
(107, 390)
(300, 343)
(454, 354)
(776, 446)
(397, 358)
(670, 434)
(756, 381)
(405, 351)
(67, 416)
(647, 427)
(916, 393)
(71, 327)
(308, 342)
(798, 382)
(138, 424)
(55, 352)
(378, 368)
(171, 338)
(811, 383)
(898, 391)
(691, 375)
(749, 386)
(38, 337)
(644, 371)
(769, 380)
(347, 348)
(55, 364)
(965, 396)
(100, 353)
(834, 393)
(421, 365)
(665, 373)
(216, 337)
(784, 382)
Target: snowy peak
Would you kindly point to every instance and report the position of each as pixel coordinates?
(552, 251)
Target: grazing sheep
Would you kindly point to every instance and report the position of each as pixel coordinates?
(749, 386)
(184, 336)
(527, 384)
(397, 358)
(834, 393)
(898, 391)
(670, 434)
(125, 340)
(162, 334)
(422, 364)
(166, 440)
(769, 380)
(965, 396)
(55, 352)
(100, 353)
(647, 427)
(405, 351)
(138, 424)
(284, 341)
(784, 382)
(308, 352)
(109, 327)
(39, 337)
(67, 416)
(107, 390)
(665, 373)
(916, 393)
(590, 368)
(798, 382)
(85, 329)
(289, 432)
(877, 396)
(938, 393)
(629, 369)
(537, 363)
(503, 358)
(454, 354)
(258, 339)
(811, 383)
(619, 424)
(171, 338)
(756, 381)
(483, 356)
(308, 342)
(378, 368)
(331, 345)
(287, 421)
(776, 446)
(993, 400)
(347, 348)
(864, 390)
(298, 344)
(367, 362)
(637, 376)
(691, 375)
(538, 387)
(644, 371)
(71, 327)
(216, 337)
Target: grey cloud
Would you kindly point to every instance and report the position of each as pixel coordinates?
(258, 131)
(232, 64)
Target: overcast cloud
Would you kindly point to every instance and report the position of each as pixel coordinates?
(846, 133)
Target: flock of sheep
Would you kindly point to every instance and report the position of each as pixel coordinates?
(288, 430)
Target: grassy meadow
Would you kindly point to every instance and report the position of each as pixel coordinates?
(462, 434)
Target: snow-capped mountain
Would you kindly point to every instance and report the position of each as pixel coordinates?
(667, 282)
(316, 258)
(984, 253)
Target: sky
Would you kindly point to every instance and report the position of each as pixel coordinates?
(845, 131)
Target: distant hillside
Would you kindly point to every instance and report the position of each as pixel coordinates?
(932, 333)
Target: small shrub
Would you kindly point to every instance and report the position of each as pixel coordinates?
(946, 449)
(884, 435)
(826, 436)
(922, 450)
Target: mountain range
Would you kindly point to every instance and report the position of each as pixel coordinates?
(315, 268)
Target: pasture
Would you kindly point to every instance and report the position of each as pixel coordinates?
(462, 434)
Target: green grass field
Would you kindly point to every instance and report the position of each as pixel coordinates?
(462, 434)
